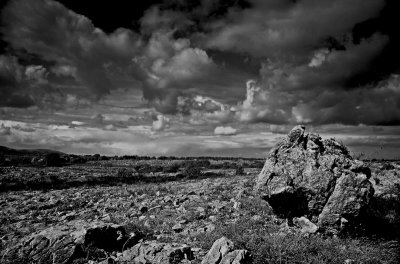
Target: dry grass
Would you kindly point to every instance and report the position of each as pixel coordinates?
(267, 246)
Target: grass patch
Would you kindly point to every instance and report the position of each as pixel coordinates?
(269, 247)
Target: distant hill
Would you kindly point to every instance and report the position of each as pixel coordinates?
(5, 151)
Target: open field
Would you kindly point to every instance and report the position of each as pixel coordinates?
(191, 203)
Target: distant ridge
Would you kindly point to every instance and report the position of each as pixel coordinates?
(23, 152)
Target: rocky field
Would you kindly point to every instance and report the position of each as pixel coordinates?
(109, 212)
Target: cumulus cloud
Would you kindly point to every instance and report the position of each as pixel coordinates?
(183, 65)
(12, 83)
(160, 124)
(318, 91)
(110, 127)
(99, 118)
(77, 123)
(188, 105)
(73, 44)
(225, 131)
(162, 65)
(319, 58)
(25, 86)
(5, 130)
(176, 69)
(37, 73)
(287, 28)
(309, 57)
(311, 70)
(24, 128)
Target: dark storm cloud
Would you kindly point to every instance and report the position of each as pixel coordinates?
(49, 30)
(312, 61)
(287, 28)
(314, 68)
(13, 82)
(164, 66)
(315, 92)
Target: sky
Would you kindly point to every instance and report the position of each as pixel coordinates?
(199, 77)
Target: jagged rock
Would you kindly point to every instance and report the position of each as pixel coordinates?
(63, 244)
(219, 249)
(222, 252)
(177, 228)
(236, 257)
(305, 225)
(305, 175)
(152, 252)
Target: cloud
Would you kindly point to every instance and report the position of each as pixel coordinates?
(99, 118)
(317, 91)
(24, 128)
(255, 140)
(287, 28)
(160, 124)
(176, 69)
(72, 44)
(87, 62)
(183, 65)
(77, 123)
(37, 73)
(25, 86)
(5, 130)
(225, 131)
(12, 83)
(306, 56)
(305, 68)
(155, 19)
(173, 60)
(319, 58)
(110, 127)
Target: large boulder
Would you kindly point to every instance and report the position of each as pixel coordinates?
(307, 176)
(65, 243)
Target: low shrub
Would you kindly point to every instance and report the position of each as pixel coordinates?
(387, 166)
(125, 173)
(172, 168)
(146, 168)
(239, 170)
(191, 172)
(54, 160)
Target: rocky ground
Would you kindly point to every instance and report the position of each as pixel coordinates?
(193, 213)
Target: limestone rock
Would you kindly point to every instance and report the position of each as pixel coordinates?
(307, 176)
(305, 225)
(222, 252)
(62, 244)
(152, 252)
(236, 257)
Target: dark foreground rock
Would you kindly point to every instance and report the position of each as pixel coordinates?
(222, 252)
(69, 242)
(154, 252)
(307, 176)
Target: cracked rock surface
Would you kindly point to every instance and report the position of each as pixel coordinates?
(156, 253)
(222, 252)
(63, 244)
(307, 176)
